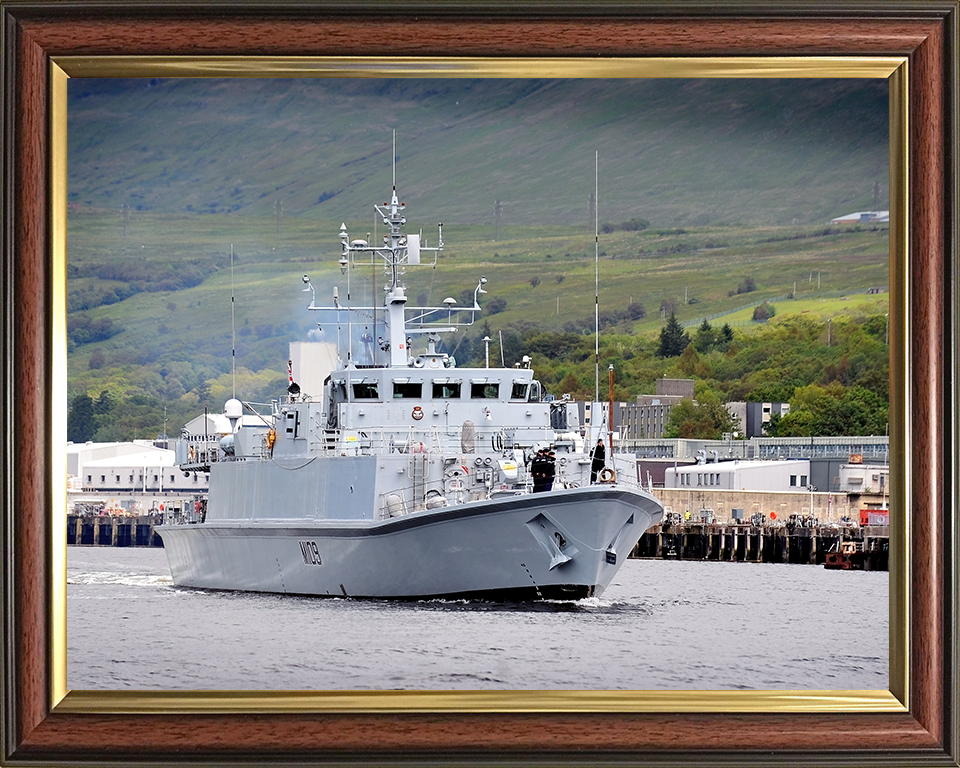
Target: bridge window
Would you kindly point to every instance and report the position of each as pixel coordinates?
(366, 391)
(408, 389)
(485, 390)
(519, 391)
(446, 390)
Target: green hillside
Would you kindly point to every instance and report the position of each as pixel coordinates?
(675, 152)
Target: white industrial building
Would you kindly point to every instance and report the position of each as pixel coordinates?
(865, 478)
(78, 454)
(789, 475)
(137, 467)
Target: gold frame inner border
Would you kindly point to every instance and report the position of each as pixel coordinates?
(892, 68)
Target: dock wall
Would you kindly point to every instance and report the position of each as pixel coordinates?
(825, 507)
(113, 530)
(761, 544)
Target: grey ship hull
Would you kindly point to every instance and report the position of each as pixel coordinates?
(565, 544)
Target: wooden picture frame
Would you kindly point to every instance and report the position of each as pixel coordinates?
(915, 722)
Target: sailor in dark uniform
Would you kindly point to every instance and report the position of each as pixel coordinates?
(549, 469)
(537, 471)
(598, 458)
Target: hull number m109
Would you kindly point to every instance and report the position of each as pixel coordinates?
(310, 552)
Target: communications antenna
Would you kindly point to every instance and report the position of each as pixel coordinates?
(596, 260)
(233, 326)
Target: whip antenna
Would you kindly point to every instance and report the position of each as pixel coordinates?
(233, 326)
(596, 259)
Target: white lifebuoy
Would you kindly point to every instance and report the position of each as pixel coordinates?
(607, 475)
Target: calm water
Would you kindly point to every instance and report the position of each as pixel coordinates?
(661, 625)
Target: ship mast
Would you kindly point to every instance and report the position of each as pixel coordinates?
(396, 298)
(397, 251)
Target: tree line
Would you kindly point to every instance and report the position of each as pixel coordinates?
(837, 382)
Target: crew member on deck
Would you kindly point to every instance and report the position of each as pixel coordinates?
(598, 457)
(549, 469)
(537, 470)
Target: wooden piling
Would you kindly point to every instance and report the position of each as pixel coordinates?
(113, 531)
(799, 545)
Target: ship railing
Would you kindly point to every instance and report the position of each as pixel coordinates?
(415, 497)
(433, 440)
(436, 493)
(196, 455)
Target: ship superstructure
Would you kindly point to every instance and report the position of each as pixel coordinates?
(399, 474)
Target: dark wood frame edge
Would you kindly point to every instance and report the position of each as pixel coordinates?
(926, 32)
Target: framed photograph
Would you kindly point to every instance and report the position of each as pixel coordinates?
(913, 46)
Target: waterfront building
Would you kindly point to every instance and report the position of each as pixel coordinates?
(752, 417)
(864, 478)
(791, 475)
(870, 449)
(115, 473)
(647, 418)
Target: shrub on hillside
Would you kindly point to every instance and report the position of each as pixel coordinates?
(747, 286)
(496, 305)
(764, 312)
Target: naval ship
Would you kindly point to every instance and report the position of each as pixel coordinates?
(389, 472)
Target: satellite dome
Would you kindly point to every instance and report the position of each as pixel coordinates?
(233, 409)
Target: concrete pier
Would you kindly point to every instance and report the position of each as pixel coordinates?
(750, 543)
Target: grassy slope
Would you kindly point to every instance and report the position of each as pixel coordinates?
(675, 152)
(268, 289)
